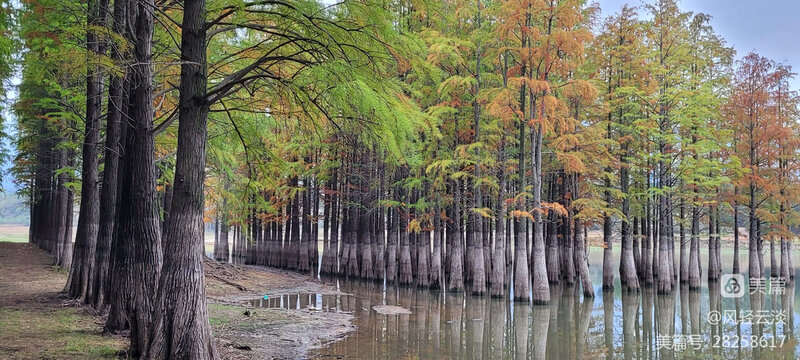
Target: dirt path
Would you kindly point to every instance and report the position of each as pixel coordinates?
(37, 322)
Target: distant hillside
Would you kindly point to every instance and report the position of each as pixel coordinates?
(13, 210)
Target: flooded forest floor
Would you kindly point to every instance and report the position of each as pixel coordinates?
(38, 322)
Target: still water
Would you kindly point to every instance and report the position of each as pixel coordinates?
(614, 325)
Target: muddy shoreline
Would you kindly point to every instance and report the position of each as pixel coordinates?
(243, 331)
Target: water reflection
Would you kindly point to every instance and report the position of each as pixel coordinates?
(615, 325)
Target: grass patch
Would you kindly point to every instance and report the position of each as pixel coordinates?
(15, 238)
(45, 333)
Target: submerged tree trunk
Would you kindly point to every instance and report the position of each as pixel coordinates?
(628, 275)
(694, 251)
(437, 275)
(541, 287)
(456, 281)
(180, 320)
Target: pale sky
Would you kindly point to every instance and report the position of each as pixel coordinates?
(768, 27)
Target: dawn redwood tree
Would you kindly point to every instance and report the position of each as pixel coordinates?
(221, 247)
(618, 53)
(180, 327)
(82, 271)
(139, 221)
(750, 114)
(114, 146)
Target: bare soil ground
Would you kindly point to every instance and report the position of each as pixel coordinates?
(37, 322)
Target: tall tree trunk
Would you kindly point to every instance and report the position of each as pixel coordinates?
(114, 147)
(694, 250)
(380, 229)
(684, 270)
(637, 253)
(713, 260)
(497, 280)
(541, 287)
(437, 275)
(63, 256)
(665, 267)
(391, 245)
(120, 282)
(647, 273)
(221, 251)
(627, 266)
(305, 238)
(82, 270)
(423, 255)
(139, 217)
(181, 329)
(736, 265)
(581, 253)
(455, 252)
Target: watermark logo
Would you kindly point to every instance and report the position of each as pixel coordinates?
(732, 285)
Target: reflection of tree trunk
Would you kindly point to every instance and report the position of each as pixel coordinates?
(787, 306)
(435, 323)
(455, 306)
(608, 318)
(474, 343)
(695, 318)
(521, 316)
(665, 319)
(630, 311)
(647, 323)
(498, 323)
(541, 320)
(553, 344)
(715, 304)
(582, 332)
(566, 322)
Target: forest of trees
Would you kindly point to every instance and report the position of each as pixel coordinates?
(450, 145)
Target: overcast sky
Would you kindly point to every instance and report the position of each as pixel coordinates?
(768, 27)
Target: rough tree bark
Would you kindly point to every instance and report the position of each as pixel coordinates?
(627, 270)
(497, 280)
(180, 320)
(114, 147)
(82, 269)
